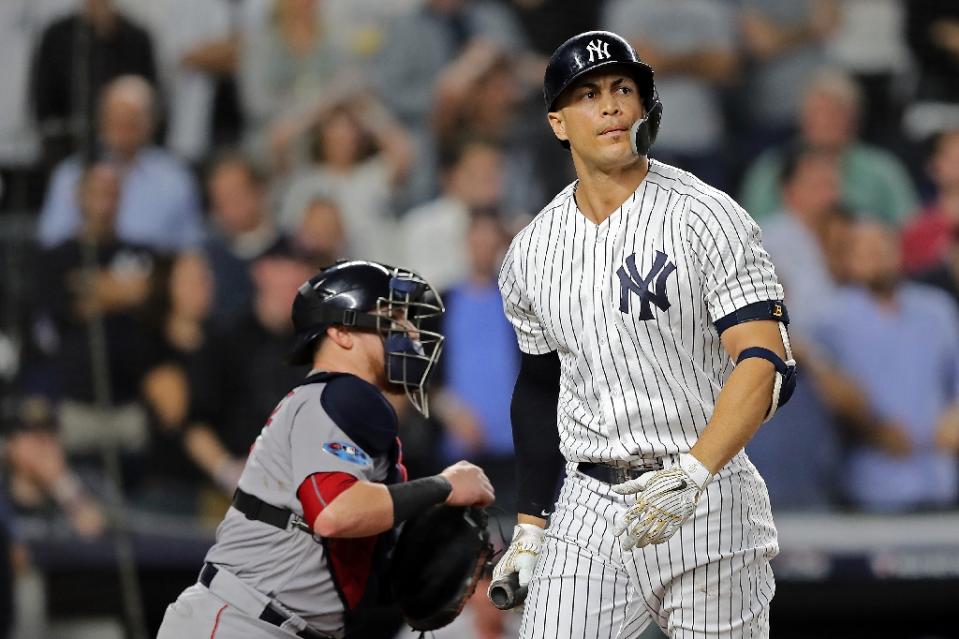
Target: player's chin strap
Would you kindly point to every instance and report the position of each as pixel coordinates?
(785, 382)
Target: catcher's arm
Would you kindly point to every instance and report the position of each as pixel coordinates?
(361, 508)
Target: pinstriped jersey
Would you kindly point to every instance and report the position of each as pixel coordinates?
(629, 306)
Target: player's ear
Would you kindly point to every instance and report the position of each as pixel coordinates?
(340, 336)
(558, 124)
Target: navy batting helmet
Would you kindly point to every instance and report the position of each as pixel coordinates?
(595, 50)
(371, 296)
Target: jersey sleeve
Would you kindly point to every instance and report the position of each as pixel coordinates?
(727, 244)
(319, 445)
(345, 428)
(531, 335)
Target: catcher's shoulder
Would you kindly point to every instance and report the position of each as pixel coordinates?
(360, 410)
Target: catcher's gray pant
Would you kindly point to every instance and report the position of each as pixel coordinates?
(199, 614)
(711, 580)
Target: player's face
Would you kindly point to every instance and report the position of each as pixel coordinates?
(595, 115)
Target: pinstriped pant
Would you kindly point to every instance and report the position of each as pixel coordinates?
(711, 580)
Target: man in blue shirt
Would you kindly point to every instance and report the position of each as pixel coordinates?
(480, 363)
(159, 204)
(900, 343)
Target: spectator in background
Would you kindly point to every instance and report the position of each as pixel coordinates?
(286, 69)
(418, 47)
(545, 24)
(482, 96)
(360, 155)
(159, 206)
(433, 236)
(243, 370)
(21, 23)
(691, 45)
(870, 45)
(480, 363)
(784, 39)
(195, 43)
(930, 235)
(320, 238)
(78, 56)
(38, 472)
(799, 450)
(181, 318)
(241, 232)
(874, 182)
(795, 236)
(932, 30)
(900, 343)
(94, 286)
(361, 27)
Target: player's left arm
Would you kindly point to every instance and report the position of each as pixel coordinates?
(746, 398)
(762, 380)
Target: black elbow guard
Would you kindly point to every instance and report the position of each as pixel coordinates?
(785, 382)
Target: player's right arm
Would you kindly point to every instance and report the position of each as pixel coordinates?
(340, 505)
(533, 412)
(533, 409)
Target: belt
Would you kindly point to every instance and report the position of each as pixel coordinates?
(255, 508)
(271, 613)
(616, 474)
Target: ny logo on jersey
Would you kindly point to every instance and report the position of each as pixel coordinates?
(632, 283)
(597, 50)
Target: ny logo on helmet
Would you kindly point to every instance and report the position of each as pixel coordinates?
(633, 283)
(598, 50)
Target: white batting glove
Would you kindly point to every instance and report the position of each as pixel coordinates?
(522, 553)
(665, 499)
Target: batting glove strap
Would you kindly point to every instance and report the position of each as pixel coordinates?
(695, 469)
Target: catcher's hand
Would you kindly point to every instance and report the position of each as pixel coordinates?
(665, 499)
(521, 555)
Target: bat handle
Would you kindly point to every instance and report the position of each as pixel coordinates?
(506, 593)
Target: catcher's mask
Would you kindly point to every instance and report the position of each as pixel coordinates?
(391, 301)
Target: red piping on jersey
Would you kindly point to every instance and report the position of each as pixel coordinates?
(216, 624)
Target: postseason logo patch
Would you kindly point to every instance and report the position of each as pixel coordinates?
(348, 452)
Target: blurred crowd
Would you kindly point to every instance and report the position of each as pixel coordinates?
(183, 165)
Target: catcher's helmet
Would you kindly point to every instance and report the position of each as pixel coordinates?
(595, 50)
(372, 296)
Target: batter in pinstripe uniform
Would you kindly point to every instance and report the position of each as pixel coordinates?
(654, 341)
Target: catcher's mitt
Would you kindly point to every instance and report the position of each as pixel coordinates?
(437, 560)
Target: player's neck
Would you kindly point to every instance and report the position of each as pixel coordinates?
(334, 362)
(600, 192)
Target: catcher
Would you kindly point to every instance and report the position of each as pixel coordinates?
(310, 528)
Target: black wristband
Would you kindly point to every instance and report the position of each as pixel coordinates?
(413, 497)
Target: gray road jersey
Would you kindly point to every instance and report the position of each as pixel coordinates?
(299, 439)
(629, 306)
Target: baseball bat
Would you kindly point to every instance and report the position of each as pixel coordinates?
(506, 593)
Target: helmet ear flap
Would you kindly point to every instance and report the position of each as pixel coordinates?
(642, 135)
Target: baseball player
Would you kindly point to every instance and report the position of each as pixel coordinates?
(654, 341)
(303, 542)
